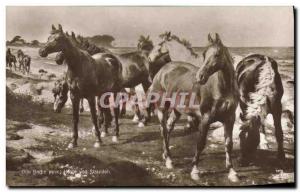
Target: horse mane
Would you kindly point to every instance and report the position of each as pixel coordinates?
(86, 45)
(262, 89)
(91, 48)
(167, 36)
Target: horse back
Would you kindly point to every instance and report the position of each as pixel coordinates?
(175, 77)
(258, 74)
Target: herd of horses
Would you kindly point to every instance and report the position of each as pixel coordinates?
(23, 60)
(254, 84)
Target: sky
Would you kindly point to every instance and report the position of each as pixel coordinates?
(237, 26)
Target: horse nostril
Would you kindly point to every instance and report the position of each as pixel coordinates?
(43, 53)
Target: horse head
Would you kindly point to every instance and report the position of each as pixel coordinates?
(59, 59)
(56, 42)
(145, 45)
(215, 56)
(60, 93)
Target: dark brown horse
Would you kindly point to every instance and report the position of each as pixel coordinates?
(214, 85)
(92, 49)
(88, 76)
(24, 61)
(261, 91)
(10, 59)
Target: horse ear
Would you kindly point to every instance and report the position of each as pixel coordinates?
(67, 34)
(60, 28)
(210, 39)
(73, 35)
(53, 27)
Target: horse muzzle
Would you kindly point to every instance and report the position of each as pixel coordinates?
(42, 52)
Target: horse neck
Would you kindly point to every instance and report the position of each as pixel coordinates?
(72, 55)
(226, 77)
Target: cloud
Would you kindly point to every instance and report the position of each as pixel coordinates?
(238, 26)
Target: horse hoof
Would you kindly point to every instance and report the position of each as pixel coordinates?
(103, 134)
(71, 145)
(195, 173)
(169, 164)
(233, 176)
(114, 139)
(97, 144)
(141, 124)
(135, 119)
(195, 176)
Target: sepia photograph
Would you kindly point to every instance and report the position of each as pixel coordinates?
(150, 96)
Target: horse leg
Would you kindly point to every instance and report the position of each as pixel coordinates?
(228, 127)
(75, 103)
(170, 124)
(100, 114)
(263, 144)
(151, 106)
(137, 112)
(116, 119)
(138, 117)
(28, 69)
(107, 117)
(92, 105)
(162, 117)
(201, 142)
(123, 110)
(192, 124)
(276, 112)
(81, 106)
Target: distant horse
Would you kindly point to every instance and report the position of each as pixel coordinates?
(88, 76)
(261, 91)
(10, 59)
(24, 61)
(216, 93)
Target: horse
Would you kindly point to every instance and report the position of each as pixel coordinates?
(261, 90)
(164, 53)
(88, 77)
(79, 42)
(24, 61)
(10, 59)
(137, 72)
(216, 96)
(60, 94)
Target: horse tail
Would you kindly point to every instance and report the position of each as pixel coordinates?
(255, 75)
